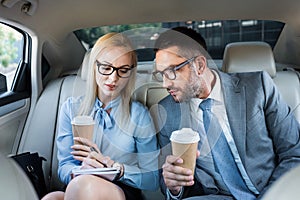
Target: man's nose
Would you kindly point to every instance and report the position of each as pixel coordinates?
(166, 82)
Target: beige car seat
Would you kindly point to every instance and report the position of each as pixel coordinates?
(258, 56)
(14, 183)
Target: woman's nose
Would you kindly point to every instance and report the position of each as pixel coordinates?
(114, 76)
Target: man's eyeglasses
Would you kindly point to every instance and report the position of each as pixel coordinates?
(170, 72)
(107, 69)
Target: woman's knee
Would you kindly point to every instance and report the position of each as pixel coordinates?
(92, 187)
(57, 195)
(79, 186)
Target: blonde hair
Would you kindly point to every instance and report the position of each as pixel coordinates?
(104, 42)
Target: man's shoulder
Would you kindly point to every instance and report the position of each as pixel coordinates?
(244, 78)
(167, 100)
(168, 103)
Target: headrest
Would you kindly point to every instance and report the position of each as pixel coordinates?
(150, 93)
(249, 57)
(85, 65)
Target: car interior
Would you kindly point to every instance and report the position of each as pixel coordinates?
(51, 66)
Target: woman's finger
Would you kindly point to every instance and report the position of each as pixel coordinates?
(84, 141)
(103, 160)
(80, 153)
(79, 147)
(93, 163)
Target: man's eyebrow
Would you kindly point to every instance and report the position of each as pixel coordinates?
(168, 67)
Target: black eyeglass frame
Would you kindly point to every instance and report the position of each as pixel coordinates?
(127, 67)
(172, 69)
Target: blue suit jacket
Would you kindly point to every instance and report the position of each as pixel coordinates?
(265, 131)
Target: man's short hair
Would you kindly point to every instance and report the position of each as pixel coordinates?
(181, 37)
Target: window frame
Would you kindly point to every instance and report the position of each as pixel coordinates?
(21, 84)
(217, 33)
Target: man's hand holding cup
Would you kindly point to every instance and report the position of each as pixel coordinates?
(178, 170)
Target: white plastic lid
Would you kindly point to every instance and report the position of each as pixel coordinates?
(185, 136)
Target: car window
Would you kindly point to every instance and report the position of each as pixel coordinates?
(217, 33)
(11, 53)
(15, 81)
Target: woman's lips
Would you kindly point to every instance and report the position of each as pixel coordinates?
(110, 86)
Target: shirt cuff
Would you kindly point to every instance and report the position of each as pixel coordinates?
(126, 168)
(170, 196)
(71, 176)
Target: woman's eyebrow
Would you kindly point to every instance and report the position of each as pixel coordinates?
(104, 62)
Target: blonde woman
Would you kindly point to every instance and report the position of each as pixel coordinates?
(124, 135)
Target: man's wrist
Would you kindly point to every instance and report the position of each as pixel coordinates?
(175, 192)
(178, 195)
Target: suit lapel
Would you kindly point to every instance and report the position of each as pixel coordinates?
(179, 117)
(235, 103)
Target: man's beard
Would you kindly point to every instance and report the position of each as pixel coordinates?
(192, 89)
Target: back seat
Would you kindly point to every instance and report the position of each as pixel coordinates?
(258, 56)
(40, 134)
(41, 129)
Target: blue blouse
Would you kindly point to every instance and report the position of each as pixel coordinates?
(135, 145)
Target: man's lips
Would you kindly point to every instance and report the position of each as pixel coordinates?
(172, 91)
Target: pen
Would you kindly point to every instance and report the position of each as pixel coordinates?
(93, 149)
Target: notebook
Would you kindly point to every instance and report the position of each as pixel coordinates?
(107, 173)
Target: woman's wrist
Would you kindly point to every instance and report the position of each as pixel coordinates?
(120, 167)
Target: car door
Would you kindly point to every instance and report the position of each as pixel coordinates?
(14, 86)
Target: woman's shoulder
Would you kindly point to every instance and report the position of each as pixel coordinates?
(140, 113)
(138, 106)
(72, 102)
(139, 110)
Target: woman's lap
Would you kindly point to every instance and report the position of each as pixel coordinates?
(101, 187)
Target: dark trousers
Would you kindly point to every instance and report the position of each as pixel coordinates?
(131, 193)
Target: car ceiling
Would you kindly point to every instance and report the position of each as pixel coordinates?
(77, 14)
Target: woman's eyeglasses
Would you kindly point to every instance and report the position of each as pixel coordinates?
(107, 69)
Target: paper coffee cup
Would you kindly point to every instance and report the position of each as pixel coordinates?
(83, 126)
(185, 145)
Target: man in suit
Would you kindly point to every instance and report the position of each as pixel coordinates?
(260, 131)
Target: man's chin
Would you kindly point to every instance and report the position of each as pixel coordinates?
(177, 98)
(180, 98)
